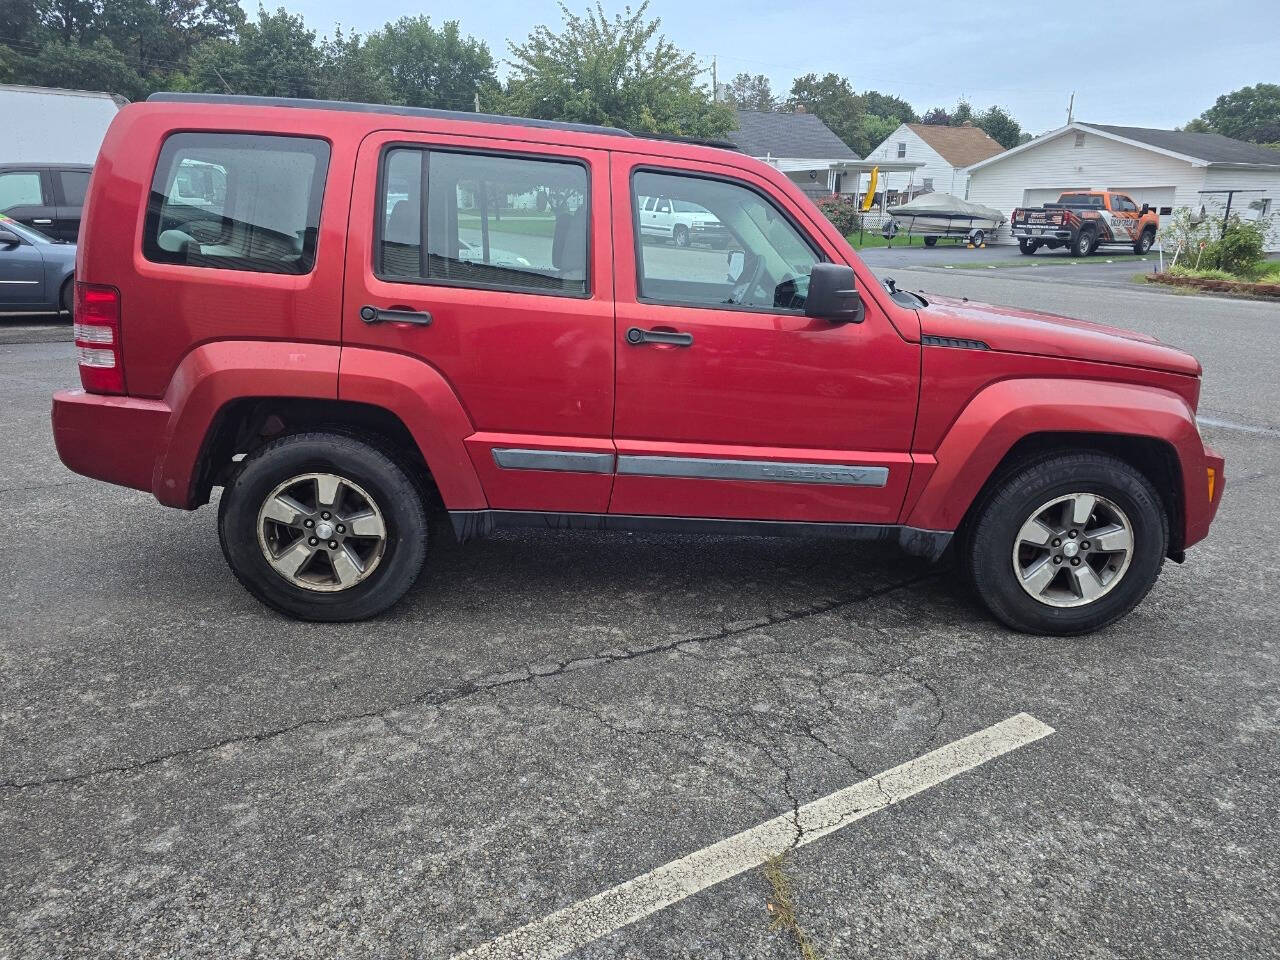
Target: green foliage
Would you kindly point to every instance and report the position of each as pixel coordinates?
(1201, 244)
(1000, 126)
(1250, 113)
(428, 67)
(874, 130)
(747, 92)
(616, 71)
(274, 57)
(887, 107)
(1239, 249)
(832, 100)
(842, 211)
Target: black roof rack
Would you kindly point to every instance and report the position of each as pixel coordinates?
(299, 103)
(675, 138)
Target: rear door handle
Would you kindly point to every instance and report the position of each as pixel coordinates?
(637, 337)
(375, 315)
(42, 220)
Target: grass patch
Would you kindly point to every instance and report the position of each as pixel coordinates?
(782, 907)
(873, 238)
(1266, 272)
(535, 225)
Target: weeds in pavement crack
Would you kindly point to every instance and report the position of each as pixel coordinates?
(781, 906)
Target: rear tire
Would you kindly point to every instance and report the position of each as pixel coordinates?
(373, 536)
(1028, 246)
(1145, 240)
(1084, 244)
(930, 241)
(1090, 585)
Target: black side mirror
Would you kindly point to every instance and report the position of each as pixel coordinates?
(1145, 209)
(8, 238)
(833, 295)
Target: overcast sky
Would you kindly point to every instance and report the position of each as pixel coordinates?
(1155, 63)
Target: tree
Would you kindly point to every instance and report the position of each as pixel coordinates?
(350, 70)
(748, 92)
(275, 57)
(937, 117)
(617, 71)
(428, 67)
(832, 100)
(1250, 113)
(887, 107)
(874, 130)
(1000, 126)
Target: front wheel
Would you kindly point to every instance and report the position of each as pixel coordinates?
(680, 235)
(321, 526)
(1067, 544)
(1144, 242)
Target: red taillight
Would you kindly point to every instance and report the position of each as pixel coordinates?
(97, 336)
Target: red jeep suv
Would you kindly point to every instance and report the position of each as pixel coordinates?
(350, 317)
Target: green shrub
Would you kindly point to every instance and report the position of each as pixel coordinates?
(842, 211)
(1238, 251)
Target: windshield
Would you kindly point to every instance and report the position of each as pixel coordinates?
(30, 234)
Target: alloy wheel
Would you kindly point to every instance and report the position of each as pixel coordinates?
(1073, 550)
(321, 532)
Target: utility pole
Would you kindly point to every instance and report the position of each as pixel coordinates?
(715, 83)
(477, 101)
(1071, 108)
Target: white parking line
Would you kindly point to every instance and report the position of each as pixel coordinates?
(1232, 425)
(575, 926)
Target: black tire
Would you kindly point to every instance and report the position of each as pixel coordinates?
(680, 235)
(989, 545)
(930, 241)
(1028, 246)
(67, 298)
(1144, 242)
(979, 238)
(1084, 243)
(388, 484)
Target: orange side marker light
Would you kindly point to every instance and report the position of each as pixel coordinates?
(1212, 477)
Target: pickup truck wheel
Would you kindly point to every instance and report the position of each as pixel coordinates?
(1083, 244)
(680, 235)
(321, 526)
(1028, 246)
(1068, 544)
(1145, 240)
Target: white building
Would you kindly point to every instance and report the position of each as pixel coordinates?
(1167, 169)
(47, 125)
(944, 153)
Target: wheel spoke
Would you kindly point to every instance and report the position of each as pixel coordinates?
(367, 524)
(1036, 533)
(346, 566)
(1085, 580)
(327, 489)
(1038, 577)
(1110, 539)
(294, 558)
(1082, 508)
(282, 508)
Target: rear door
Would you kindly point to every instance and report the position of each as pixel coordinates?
(21, 275)
(506, 249)
(26, 195)
(70, 187)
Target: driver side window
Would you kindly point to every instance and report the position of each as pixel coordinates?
(729, 247)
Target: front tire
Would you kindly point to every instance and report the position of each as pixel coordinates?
(1145, 240)
(680, 235)
(1067, 544)
(321, 526)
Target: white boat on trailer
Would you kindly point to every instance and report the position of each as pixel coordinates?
(937, 216)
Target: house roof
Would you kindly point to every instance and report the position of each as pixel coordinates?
(959, 146)
(1208, 147)
(765, 134)
(1201, 149)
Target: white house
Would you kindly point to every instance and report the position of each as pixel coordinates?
(944, 152)
(1167, 169)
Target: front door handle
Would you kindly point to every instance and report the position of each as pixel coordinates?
(637, 337)
(43, 221)
(375, 315)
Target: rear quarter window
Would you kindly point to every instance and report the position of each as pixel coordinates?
(237, 202)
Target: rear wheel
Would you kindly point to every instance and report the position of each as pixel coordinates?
(1144, 241)
(1084, 243)
(930, 241)
(1028, 246)
(680, 235)
(321, 526)
(1067, 544)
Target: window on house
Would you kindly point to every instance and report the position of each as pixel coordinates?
(928, 183)
(902, 149)
(1079, 139)
(505, 223)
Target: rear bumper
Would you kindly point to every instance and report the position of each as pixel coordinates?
(116, 439)
(1041, 233)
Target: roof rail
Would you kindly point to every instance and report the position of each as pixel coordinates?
(676, 138)
(300, 103)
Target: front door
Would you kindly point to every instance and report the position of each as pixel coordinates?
(731, 403)
(21, 274)
(507, 250)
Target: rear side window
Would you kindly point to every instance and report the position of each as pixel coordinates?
(74, 183)
(504, 223)
(237, 202)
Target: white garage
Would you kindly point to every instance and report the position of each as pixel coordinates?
(1165, 169)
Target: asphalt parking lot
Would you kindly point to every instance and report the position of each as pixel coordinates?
(550, 716)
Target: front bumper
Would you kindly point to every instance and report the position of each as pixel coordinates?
(116, 439)
(1203, 492)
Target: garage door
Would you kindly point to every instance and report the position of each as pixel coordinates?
(1039, 197)
(1159, 198)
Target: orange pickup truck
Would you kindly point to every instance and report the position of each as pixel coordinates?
(1084, 221)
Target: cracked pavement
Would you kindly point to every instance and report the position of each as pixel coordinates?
(183, 773)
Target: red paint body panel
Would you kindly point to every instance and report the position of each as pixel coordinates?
(542, 372)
